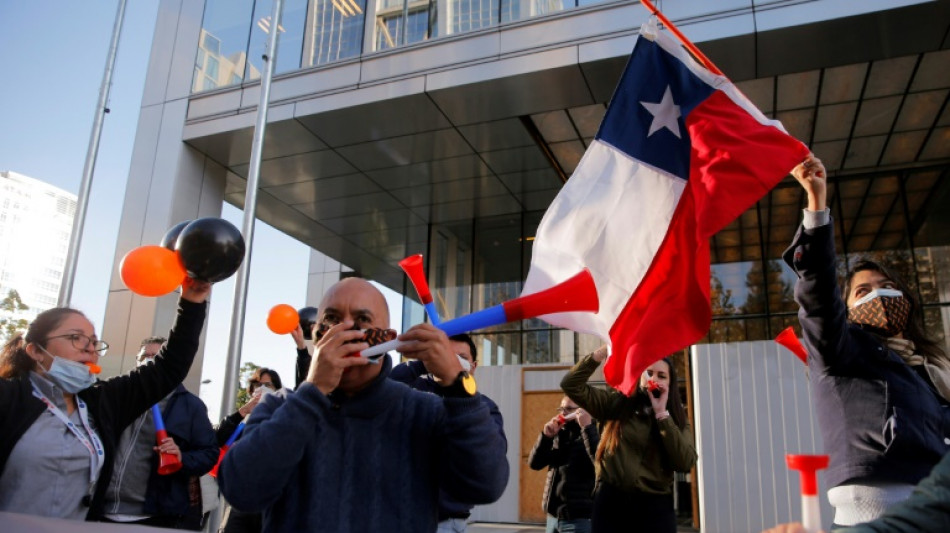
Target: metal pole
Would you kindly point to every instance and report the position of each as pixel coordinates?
(250, 208)
(82, 200)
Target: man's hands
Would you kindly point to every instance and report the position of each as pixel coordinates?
(168, 446)
(430, 345)
(195, 291)
(552, 427)
(813, 178)
(334, 353)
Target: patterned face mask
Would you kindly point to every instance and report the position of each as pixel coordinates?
(883, 311)
(371, 336)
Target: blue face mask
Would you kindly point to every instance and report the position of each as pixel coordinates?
(71, 376)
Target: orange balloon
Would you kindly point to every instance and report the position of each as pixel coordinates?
(282, 319)
(94, 368)
(151, 271)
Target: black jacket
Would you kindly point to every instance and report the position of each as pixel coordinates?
(879, 419)
(569, 457)
(114, 403)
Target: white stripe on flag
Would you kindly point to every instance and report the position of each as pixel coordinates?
(611, 198)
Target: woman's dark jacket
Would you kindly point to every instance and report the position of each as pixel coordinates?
(114, 403)
(879, 419)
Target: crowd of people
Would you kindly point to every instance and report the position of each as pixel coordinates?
(361, 445)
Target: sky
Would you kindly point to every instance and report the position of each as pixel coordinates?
(53, 54)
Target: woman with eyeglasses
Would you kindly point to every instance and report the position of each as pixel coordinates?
(880, 382)
(58, 426)
(645, 438)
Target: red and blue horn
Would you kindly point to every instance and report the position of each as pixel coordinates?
(224, 449)
(168, 463)
(412, 266)
(577, 293)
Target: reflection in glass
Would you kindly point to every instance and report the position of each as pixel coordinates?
(289, 37)
(334, 31)
(522, 9)
(222, 45)
(400, 22)
(459, 16)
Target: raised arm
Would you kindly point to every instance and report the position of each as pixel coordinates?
(135, 392)
(822, 311)
(601, 404)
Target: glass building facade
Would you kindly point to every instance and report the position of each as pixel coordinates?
(316, 32)
(888, 216)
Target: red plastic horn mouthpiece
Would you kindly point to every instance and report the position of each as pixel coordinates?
(807, 466)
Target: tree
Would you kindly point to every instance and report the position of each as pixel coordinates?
(247, 370)
(9, 324)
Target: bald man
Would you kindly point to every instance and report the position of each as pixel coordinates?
(354, 451)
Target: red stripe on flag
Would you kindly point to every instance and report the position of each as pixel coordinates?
(734, 161)
(670, 308)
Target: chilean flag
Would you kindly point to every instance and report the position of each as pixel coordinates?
(680, 154)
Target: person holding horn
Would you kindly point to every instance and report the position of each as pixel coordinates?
(881, 384)
(351, 449)
(645, 438)
(60, 426)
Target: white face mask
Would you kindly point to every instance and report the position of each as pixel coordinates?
(71, 376)
(877, 293)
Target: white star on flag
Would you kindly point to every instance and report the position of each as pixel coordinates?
(665, 114)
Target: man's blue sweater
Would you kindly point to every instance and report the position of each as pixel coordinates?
(415, 374)
(374, 461)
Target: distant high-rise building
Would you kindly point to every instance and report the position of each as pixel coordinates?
(35, 222)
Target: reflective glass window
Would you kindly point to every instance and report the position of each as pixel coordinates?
(222, 44)
(289, 37)
(400, 22)
(522, 9)
(334, 31)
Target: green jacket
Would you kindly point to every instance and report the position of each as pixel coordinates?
(649, 450)
(927, 509)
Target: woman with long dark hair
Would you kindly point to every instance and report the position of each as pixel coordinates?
(60, 426)
(881, 384)
(645, 438)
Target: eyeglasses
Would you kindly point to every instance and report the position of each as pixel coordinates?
(82, 342)
(566, 410)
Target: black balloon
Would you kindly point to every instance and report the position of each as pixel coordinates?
(171, 236)
(210, 249)
(308, 318)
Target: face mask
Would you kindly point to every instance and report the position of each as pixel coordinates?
(371, 336)
(71, 376)
(883, 311)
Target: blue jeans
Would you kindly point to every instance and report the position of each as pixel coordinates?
(452, 525)
(581, 525)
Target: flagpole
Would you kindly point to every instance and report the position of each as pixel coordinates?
(679, 35)
(233, 364)
(82, 199)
